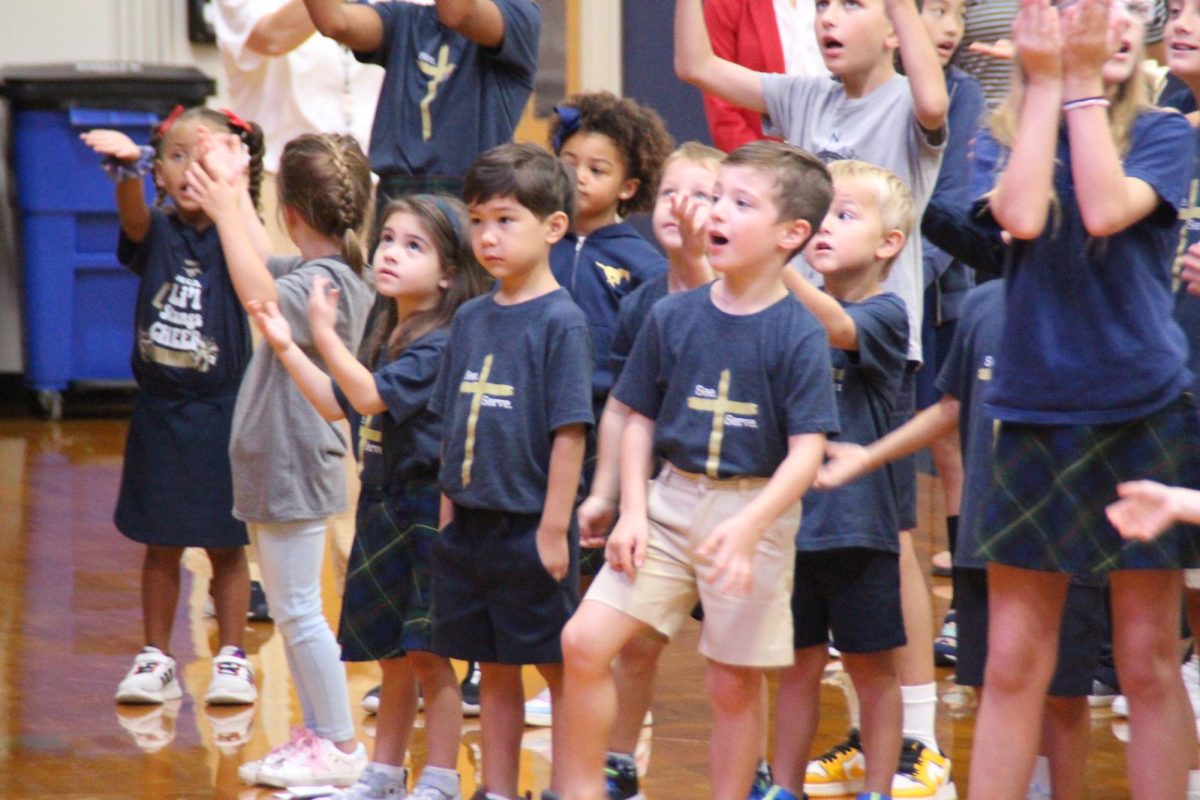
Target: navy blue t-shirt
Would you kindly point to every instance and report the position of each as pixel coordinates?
(635, 308)
(511, 376)
(726, 391)
(192, 336)
(599, 270)
(1089, 339)
(1187, 305)
(445, 99)
(862, 513)
(404, 442)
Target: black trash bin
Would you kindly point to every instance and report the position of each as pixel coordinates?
(79, 302)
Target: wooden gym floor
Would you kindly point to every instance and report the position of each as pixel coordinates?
(70, 624)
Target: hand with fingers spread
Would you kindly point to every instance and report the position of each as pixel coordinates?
(1037, 38)
(112, 143)
(1148, 508)
(692, 216)
(219, 194)
(1088, 39)
(1001, 49)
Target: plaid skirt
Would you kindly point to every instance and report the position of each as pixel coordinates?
(389, 586)
(1051, 483)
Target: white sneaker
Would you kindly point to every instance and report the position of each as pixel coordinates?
(537, 711)
(427, 792)
(152, 728)
(249, 771)
(315, 762)
(151, 679)
(232, 679)
(372, 785)
(1120, 706)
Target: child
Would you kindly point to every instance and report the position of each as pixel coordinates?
(847, 555)
(742, 438)
(680, 213)
(458, 77)
(966, 373)
(287, 461)
(423, 270)
(1082, 403)
(193, 344)
(867, 112)
(515, 392)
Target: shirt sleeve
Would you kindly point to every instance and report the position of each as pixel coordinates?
(392, 15)
(639, 386)
(628, 322)
(407, 383)
(233, 22)
(568, 377)
(1157, 140)
(438, 403)
(881, 324)
(522, 29)
(133, 254)
(811, 405)
(787, 98)
(984, 165)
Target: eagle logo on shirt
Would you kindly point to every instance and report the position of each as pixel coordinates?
(614, 275)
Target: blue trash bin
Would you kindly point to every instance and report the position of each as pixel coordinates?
(78, 300)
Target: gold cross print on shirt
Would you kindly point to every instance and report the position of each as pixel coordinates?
(1186, 214)
(438, 74)
(478, 389)
(719, 406)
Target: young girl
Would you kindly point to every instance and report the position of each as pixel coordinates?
(1090, 384)
(287, 461)
(192, 346)
(424, 270)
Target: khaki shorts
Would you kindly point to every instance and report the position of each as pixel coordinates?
(754, 630)
(1191, 578)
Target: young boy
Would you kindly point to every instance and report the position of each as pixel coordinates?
(514, 391)
(867, 112)
(847, 560)
(728, 384)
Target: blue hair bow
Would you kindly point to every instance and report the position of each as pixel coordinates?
(568, 122)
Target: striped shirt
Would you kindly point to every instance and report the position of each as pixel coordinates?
(987, 21)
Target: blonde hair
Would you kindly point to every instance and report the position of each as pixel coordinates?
(897, 210)
(695, 153)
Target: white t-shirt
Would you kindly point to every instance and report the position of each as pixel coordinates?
(798, 37)
(317, 87)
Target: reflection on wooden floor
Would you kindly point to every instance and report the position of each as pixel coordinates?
(70, 624)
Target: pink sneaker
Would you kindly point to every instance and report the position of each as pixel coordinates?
(315, 762)
(249, 771)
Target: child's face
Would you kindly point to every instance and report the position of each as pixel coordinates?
(602, 177)
(1182, 39)
(406, 264)
(854, 35)
(176, 153)
(1126, 39)
(508, 239)
(852, 235)
(744, 230)
(945, 20)
(681, 178)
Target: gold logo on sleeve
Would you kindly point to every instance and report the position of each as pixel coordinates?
(480, 390)
(722, 408)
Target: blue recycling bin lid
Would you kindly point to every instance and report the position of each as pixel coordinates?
(127, 85)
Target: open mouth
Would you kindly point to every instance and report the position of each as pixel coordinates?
(718, 240)
(831, 45)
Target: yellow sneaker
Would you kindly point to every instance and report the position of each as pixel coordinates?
(923, 773)
(839, 771)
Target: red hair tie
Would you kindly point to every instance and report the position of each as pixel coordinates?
(236, 121)
(166, 124)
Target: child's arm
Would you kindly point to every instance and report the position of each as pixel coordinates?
(355, 25)
(838, 325)
(282, 30)
(314, 384)
(352, 376)
(731, 544)
(692, 215)
(598, 510)
(566, 462)
(1148, 508)
(626, 549)
(478, 20)
(132, 211)
(848, 462)
(926, 80)
(445, 511)
(1109, 200)
(696, 63)
(1020, 201)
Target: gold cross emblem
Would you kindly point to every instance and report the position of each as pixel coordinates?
(1186, 214)
(719, 406)
(478, 389)
(438, 74)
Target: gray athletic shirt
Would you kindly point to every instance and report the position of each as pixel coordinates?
(286, 460)
(880, 128)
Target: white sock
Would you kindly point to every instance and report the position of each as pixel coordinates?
(852, 708)
(1041, 775)
(1193, 792)
(920, 713)
(391, 771)
(440, 778)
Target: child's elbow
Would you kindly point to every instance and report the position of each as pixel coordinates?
(685, 69)
(452, 17)
(1099, 225)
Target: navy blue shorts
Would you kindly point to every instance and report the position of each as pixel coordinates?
(493, 601)
(853, 593)
(903, 471)
(1081, 637)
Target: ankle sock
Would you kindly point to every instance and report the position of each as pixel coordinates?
(920, 713)
(1193, 789)
(443, 779)
(390, 770)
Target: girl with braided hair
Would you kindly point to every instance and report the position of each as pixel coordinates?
(287, 460)
(192, 346)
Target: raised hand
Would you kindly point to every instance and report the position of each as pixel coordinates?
(1037, 37)
(1001, 49)
(112, 143)
(1088, 39)
(270, 323)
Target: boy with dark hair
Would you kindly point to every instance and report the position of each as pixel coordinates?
(514, 390)
(741, 438)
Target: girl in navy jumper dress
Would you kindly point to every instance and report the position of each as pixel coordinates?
(1091, 383)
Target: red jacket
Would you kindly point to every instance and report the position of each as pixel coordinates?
(744, 32)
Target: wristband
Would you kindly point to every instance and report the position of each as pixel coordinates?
(1085, 102)
(121, 170)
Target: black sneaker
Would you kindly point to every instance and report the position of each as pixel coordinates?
(620, 777)
(258, 611)
(470, 690)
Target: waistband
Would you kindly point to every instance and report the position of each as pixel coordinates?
(673, 474)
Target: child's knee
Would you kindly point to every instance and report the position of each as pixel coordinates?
(732, 690)
(585, 647)
(227, 558)
(639, 656)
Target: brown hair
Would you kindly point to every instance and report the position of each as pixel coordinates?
(637, 131)
(219, 122)
(805, 186)
(326, 179)
(445, 221)
(525, 172)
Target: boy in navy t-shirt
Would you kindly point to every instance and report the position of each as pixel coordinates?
(729, 385)
(514, 391)
(847, 551)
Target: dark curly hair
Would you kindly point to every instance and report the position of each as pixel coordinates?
(637, 131)
(218, 122)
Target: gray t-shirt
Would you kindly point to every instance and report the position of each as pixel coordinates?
(286, 459)
(814, 113)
